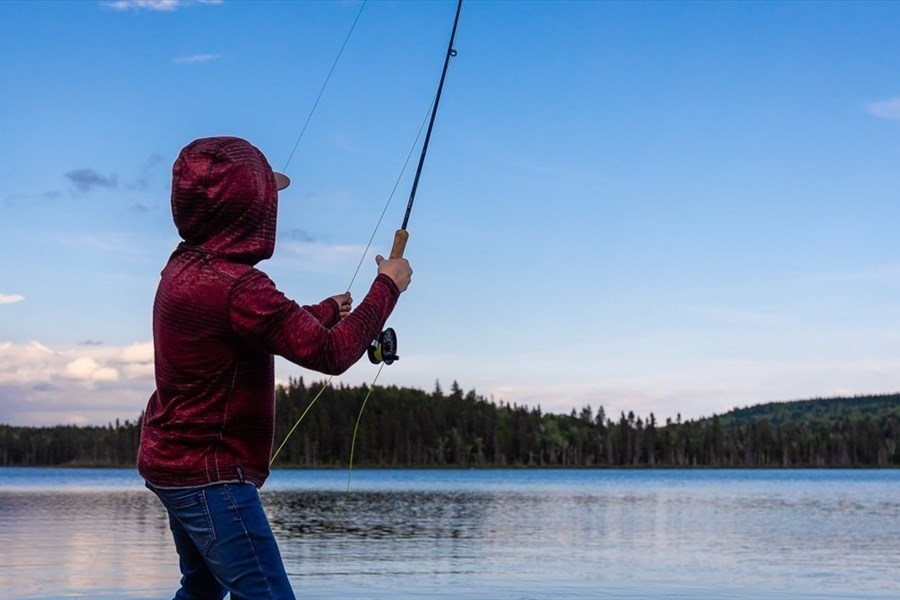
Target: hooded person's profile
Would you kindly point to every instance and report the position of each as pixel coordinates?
(208, 431)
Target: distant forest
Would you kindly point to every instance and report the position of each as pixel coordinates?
(403, 427)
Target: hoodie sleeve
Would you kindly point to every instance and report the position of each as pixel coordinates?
(327, 312)
(272, 323)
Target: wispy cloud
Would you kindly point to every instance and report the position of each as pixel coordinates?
(11, 298)
(88, 179)
(13, 199)
(319, 257)
(195, 59)
(147, 170)
(735, 316)
(103, 243)
(642, 399)
(885, 109)
(157, 5)
(296, 235)
(887, 274)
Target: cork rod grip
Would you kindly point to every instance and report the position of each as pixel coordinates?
(399, 246)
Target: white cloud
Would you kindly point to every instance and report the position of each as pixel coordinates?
(11, 298)
(138, 371)
(157, 5)
(195, 59)
(885, 109)
(88, 369)
(138, 353)
(86, 384)
(35, 364)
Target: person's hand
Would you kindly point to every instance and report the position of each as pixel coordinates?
(397, 269)
(345, 303)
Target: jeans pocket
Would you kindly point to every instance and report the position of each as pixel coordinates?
(189, 510)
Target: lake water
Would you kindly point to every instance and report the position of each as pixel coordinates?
(491, 534)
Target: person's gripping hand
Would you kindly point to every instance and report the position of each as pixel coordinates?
(345, 303)
(397, 269)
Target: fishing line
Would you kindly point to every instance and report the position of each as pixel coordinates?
(401, 236)
(343, 505)
(356, 427)
(353, 279)
(312, 111)
(393, 191)
(324, 85)
(309, 406)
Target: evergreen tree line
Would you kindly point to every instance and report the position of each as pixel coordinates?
(71, 445)
(403, 427)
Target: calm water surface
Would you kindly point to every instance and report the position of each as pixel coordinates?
(497, 534)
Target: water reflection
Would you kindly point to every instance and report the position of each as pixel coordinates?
(639, 536)
(84, 545)
(378, 515)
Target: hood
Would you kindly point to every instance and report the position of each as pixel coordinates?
(224, 198)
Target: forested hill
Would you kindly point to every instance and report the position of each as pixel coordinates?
(818, 410)
(403, 427)
(823, 432)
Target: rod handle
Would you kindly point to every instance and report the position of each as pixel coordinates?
(399, 246)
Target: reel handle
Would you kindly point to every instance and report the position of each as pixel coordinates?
(399, 247)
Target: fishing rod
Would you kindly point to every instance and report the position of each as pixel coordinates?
(384, 348)
(402, 235)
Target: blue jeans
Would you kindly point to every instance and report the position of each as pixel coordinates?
(224, 543)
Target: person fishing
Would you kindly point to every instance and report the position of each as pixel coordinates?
(208, 430)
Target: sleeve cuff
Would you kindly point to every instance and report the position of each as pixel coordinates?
(395, 291)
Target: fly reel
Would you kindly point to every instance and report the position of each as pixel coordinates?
(384, 347)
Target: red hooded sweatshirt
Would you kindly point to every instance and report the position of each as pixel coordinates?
(218, 321)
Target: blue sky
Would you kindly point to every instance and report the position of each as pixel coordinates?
(659, 207)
